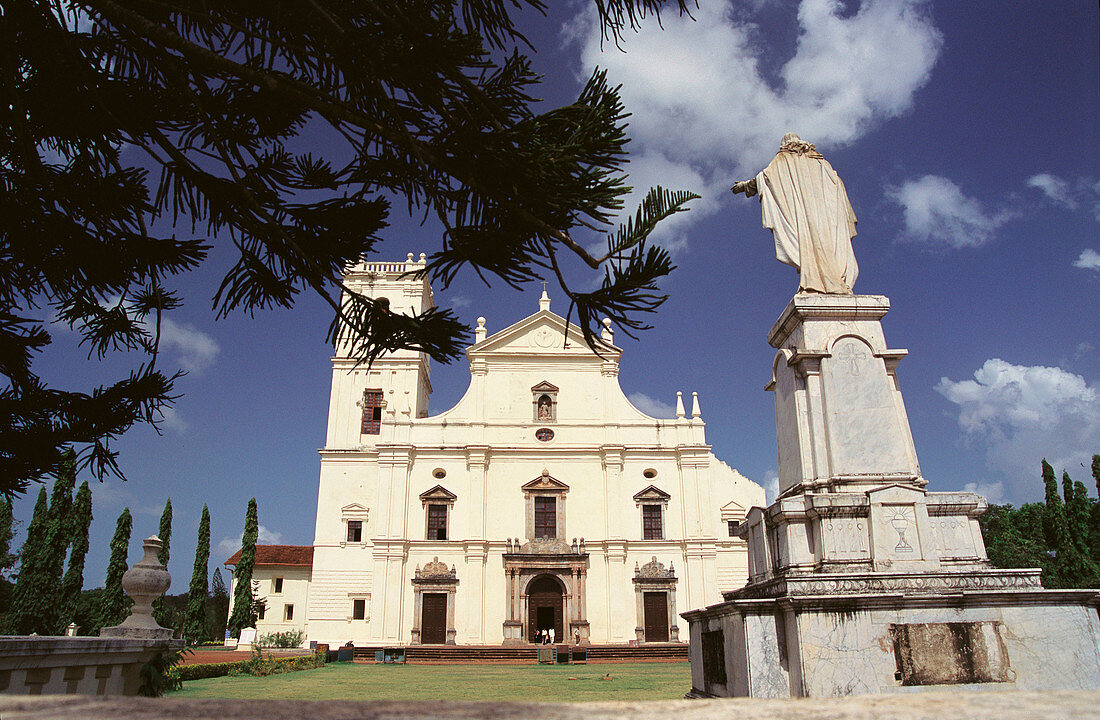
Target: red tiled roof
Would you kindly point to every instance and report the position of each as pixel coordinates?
(279, 555)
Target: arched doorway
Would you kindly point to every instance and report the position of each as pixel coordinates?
(545, 608)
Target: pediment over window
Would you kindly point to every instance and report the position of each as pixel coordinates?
(354, 510)
(733, 511)
(438, 494)
(545, 482)
(652, 494)
(544, 387)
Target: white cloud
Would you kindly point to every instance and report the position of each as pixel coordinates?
(703, 114)
(1088, 260)
(172, 420)
(936, 212)
(651, 406)
(1023, 414)
(771, 486)
(1054, 187)
(196, 349)
(230, 545)
(993, 492)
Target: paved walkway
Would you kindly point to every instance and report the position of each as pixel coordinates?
(206, 656)
(939, 705)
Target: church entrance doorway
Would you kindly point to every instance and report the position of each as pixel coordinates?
(656, 617)
(546, 608)
(433, 622)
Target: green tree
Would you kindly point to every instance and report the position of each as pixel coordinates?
(429, 102)
(73, 582)
(195, 626)
(7, 534)
(165, 534)
(58, 539)
(30, 606)
(7, 557)
(1094, 514)
(243, 614)
(218, 608)
(116, 605)
(1014, 538)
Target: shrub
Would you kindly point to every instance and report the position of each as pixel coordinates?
(287, 639)
(259, 665)
(211, 670)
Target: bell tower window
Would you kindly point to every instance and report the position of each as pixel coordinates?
(372, 412)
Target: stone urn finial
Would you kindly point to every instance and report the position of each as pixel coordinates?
(146, 581)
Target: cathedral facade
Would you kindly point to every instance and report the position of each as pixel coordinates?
(542, 502)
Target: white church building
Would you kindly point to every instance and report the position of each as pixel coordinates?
(543, 500)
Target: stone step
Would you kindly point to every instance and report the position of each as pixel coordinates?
(656, 652)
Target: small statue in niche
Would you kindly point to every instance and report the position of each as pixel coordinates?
(544, 409)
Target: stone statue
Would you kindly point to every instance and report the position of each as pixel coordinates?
(806, 207)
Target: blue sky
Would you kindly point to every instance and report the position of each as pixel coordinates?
(967, 135)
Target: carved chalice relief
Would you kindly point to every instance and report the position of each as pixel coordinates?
(900, 518)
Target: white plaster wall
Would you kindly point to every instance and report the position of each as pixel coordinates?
(487, 449)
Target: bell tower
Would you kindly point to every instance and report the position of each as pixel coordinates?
(397, 384)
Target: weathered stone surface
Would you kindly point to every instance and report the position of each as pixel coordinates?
(932, 706)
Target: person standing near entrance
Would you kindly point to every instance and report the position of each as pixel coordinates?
(552, 632)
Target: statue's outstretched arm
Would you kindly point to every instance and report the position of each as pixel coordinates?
(745, 186)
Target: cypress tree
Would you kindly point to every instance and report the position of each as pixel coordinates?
(116, 604)
(73, 582)
(1055, 529)
(1096, 472)
(219, 605)
(29, 606)
(58, 539)
(1077, 511)
(164, 532)
(194, 626)
(1094, 514)
(243, 614)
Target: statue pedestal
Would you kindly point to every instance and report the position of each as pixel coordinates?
(861, 581)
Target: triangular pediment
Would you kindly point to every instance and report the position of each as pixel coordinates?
(733, 511)
(545, 482)
(652, 494)
(545, 387)
(544, 333)
(354, 509)
(438, 493)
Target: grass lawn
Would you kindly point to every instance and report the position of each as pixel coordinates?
(526, 683)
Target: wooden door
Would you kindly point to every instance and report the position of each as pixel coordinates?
(433, 621)
(546, 609)
(655, 605)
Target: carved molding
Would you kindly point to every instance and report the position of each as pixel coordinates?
(654, 570)
(916, 584)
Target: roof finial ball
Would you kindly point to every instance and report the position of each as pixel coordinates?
(480, 332)
(608, 334)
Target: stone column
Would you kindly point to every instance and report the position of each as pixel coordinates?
(418, 611)
(673, 628)
(451, 594)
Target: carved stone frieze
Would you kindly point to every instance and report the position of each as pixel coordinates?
(435, 570)
(546, 546)
(908, 584)
(654, 570)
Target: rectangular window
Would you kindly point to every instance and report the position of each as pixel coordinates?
(546, 517)
(355, 531)
(358, 609)
(437, 522)
(651, 523)
(731, 526)
(288, 612)
(261, 610)
(277, 586)
(372, 412)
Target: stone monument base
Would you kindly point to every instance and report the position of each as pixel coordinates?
(860, 580)
(911, 639)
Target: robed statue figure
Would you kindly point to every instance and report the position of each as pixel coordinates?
(806, 208)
